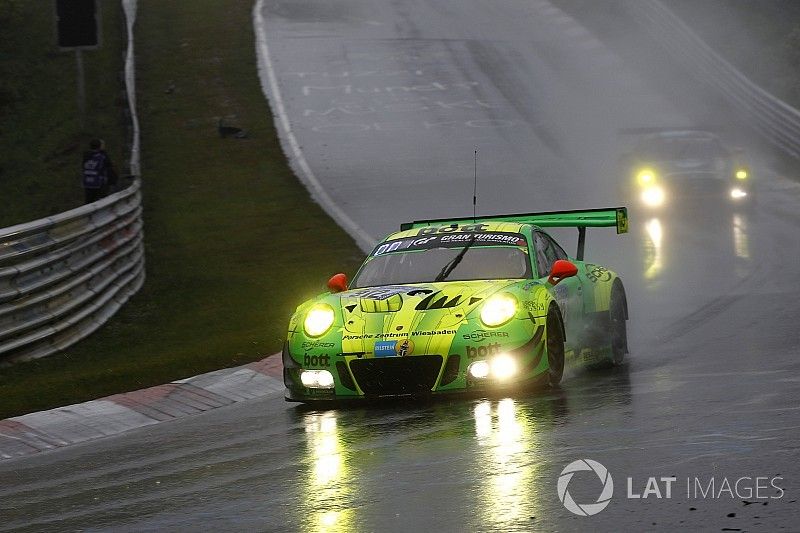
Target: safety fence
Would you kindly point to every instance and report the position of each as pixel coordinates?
(63, 276)
(775, 120)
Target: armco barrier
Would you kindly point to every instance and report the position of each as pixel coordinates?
(775, 120)
(63, 276)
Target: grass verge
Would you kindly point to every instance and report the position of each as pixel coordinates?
(233, 241)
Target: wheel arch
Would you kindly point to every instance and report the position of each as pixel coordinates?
(601, 287)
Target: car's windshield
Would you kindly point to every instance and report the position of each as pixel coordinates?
(423, 258)
(670, 149)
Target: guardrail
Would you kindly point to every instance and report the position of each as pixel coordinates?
(63, 276)
(775, 120)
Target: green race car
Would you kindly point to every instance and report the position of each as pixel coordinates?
(465, 305)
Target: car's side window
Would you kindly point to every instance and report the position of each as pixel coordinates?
(544, 260)
(547, 252)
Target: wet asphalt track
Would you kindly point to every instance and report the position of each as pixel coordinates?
(388, 100)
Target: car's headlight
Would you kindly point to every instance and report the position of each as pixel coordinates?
(498, 309)
(653, 196)
(503, 366)
(318, 320)
(646, 177)
(317, 379)
(741, 174)
(479, 369)
(737, 193)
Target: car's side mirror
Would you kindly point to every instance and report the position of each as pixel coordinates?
(338, 283)
(562, 269)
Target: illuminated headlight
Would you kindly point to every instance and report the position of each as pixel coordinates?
(741, 174)
(646, 177)
(318, 320)
(653, 196)
(503, 367)
(737, 193)
(500, 367)
(316, 379)
(498, 309)
(479, 369)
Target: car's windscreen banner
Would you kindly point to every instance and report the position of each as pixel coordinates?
(451, 240)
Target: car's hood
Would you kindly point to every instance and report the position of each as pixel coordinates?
(420, 312)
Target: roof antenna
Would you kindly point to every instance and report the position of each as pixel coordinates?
(475, 190)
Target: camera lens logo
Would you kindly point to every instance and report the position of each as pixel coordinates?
(585, 509)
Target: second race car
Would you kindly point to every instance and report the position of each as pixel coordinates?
(669, 167)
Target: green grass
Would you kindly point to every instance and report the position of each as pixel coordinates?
(40, 138)
(233, 241)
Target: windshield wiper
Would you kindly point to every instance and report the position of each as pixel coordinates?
(453, 263)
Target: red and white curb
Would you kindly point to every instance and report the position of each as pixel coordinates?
(64, 426)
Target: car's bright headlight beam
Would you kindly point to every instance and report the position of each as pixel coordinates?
(503, 366)
(646, 177)
(318, 320)
(498, 309)
(316, 379)
(653, 196)
(500, 367)
(479, 369)
(737, 193)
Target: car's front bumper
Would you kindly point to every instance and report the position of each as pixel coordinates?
(416, 376)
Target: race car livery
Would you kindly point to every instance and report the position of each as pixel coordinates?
(444, 306)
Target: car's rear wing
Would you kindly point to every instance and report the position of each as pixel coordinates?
(581, 219)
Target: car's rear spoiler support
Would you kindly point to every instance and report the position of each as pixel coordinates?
(581, 243)
(581, 219)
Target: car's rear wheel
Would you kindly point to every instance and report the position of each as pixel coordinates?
(555, 345)
(618, 327)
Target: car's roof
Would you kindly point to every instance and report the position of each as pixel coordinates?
(508, 227)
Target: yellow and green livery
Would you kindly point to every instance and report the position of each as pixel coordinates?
(476, 304)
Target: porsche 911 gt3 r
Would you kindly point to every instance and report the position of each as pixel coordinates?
(444, 306)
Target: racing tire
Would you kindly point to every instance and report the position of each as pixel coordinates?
(555, 346)
(618, 315)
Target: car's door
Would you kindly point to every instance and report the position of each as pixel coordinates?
(568, 293)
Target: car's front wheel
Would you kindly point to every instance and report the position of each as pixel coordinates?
(555, 345)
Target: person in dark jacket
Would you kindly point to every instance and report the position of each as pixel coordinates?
(99, 176)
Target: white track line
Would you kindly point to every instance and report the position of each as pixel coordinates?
(269, 80)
